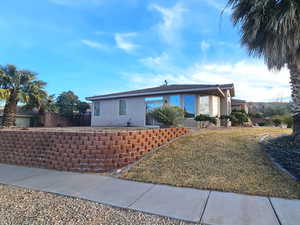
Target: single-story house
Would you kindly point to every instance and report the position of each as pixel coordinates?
(131, 107)
(239, 104)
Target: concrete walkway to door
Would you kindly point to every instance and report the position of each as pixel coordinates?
(209, 207)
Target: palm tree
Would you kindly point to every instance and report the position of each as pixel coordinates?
(38, 98)
(270, 29)
(18, 86)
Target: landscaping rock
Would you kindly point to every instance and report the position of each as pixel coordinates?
(23, 206)
(285, 151)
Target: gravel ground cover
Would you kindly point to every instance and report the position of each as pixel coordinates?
(230, 160)
(19, 206)
(286, 152)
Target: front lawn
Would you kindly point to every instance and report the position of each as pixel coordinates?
(230, 160)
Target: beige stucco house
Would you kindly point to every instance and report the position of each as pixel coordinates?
(239, 104)
(131, 107)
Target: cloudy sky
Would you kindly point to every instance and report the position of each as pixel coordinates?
(102, 46)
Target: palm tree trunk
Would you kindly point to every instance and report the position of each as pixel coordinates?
(41, 117)
(295, 86)
(10, 110)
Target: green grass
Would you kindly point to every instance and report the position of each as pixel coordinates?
(230, 160)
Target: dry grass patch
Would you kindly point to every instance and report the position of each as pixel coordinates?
(226, 160)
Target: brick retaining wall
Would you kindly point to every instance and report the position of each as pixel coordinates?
(81, 151)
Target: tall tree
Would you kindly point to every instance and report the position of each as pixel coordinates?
(67, 103)
(82, 107)
(270, 29)
(18, 86)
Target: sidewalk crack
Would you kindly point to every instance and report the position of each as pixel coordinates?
(141, 195)
(206, 202)
(277, 217)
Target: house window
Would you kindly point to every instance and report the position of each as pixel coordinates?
(151, 104)
(204, 105)
(189, 106)
(96, 108)
(122, 107)
(174, 100)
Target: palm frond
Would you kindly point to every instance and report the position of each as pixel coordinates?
(23, 82)
(269, 29)
(4, 94)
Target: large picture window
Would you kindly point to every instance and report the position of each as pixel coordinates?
(204, 105)
(174, 100)
(122, 108)
(96, 108)
(189, 106)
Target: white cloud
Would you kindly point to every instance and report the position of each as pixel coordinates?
(77, 2)
(228, 44)
(94, 44)
(204, 45)
(156, 62)
(253, 81)
(172, 22)
(123, 41)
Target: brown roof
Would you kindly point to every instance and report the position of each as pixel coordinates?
(177, 88)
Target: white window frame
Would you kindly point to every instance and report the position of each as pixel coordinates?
(125, 104)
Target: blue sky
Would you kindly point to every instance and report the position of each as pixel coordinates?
(100, 46)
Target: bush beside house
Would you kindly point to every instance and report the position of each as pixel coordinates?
(205, 121)
(239, 118)
(168, 116)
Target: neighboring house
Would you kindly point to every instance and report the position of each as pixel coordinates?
(130, 108)
(23, 119)
(239, 104)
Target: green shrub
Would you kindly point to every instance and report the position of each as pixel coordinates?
(225, 117)
(277, 122)
(239, 117)
(262, 124)
(283, 119)
(288, 120)
(168, 115)
(204, 117)
(241, 110)
(256, 115)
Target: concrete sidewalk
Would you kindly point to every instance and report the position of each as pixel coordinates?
(209, 207)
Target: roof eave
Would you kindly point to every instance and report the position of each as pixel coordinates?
(156, 93)
(221, 92)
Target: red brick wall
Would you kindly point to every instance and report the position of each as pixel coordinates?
(81, 152)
